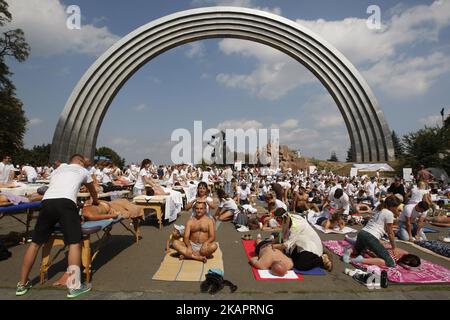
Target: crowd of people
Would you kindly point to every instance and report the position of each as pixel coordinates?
(254, 198)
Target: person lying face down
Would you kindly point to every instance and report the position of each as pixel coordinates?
(270, 258)
(110, 210)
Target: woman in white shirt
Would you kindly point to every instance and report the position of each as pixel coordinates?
(202, 196)
(144, 179)
(419, 193)
(227, 207)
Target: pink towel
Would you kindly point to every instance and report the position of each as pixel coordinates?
(427, 272)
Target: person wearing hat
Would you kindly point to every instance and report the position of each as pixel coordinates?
(176, 234)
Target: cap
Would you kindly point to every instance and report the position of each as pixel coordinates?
(180, 228)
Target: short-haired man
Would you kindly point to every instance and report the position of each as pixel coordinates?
(411, 221)
(6, 170)
(59, 205)
(199, 236)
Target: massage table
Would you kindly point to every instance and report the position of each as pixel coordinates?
(29, 208)
(156, 203)
(88, 252)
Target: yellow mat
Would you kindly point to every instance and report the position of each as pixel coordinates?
(173, 269)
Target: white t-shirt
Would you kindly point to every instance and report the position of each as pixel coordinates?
(205, 176)
(410, 211)
(106, 178)
(243, 193)
(228, 205)
(417, 195)
(342, 203)
(66, 182)
(30, 172)
(4, 171)
(376, 224)
(280, 204)
(370, 188)
(140, 182)
(303, 237)
(228, 174)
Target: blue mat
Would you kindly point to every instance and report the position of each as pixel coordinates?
(429, 230)
(312, 272)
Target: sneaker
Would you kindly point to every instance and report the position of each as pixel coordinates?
(366, 279)
(73, 293)
(22, 289)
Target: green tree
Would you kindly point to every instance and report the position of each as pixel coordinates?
(38, 156)
(12, 124)
(13, 120)
(110, 154)
(428, 146)
(333, 157)
(349, 155)
(398, 146)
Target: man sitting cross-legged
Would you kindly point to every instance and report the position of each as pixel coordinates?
(199, 236)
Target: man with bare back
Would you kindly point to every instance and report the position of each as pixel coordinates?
(199, 237)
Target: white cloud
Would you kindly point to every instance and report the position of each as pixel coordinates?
(141, 107)
(35, 121)
(275, 76)
(360, 44)
(240, 124)
(196, 50)
(44, 24)
(431, 121)
(383, 55)
(289, 124)
(408, 77)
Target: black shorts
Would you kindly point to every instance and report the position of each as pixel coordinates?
(62, 211)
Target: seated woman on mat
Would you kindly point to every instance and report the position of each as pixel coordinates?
(227, 208)
(202, 196)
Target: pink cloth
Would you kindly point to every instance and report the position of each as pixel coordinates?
(427, 272)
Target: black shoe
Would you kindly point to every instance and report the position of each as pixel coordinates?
(362, 277)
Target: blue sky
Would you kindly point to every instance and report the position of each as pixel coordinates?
(228, 82)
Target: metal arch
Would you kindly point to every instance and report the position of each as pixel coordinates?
(80, 121)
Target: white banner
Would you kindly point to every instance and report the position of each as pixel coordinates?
(407, 174)
(353, 172)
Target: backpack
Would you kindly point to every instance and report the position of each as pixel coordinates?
(214, 282)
